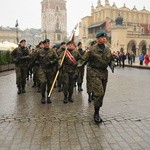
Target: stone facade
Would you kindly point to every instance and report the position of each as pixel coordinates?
(133, 34)
(9, 34)
(32, 36)
(54, 20)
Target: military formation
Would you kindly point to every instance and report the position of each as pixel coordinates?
(68, 61)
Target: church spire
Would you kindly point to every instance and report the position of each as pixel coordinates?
(106, 2)
(92, 8)
(99, 3)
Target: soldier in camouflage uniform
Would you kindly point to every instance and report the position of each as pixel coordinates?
(36, 66)
(99, 58)
(59, 52)
(20, 57)
(47, 59)
(89, 76)
(68, 71)
(81, 69)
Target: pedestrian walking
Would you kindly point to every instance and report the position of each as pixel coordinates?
(141, 58)
(146, 59)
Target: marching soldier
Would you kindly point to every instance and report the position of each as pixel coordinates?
(99, 57)
(59, 52)
(36, 66)
(47, 59)
(81, 69)
(68, 71)
(20, 57)
(89, 76)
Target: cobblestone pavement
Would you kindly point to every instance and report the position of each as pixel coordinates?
(26, 124)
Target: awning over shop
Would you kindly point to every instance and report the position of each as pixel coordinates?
(96, 25)
(7, 46)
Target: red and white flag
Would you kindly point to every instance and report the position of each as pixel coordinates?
(71, 57)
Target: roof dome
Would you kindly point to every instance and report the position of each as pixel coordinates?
(124, 8)
(114, 6)
(144, 10)
(134, 8)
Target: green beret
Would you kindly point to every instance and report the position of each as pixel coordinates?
(46, 41)
(23, 41)
(57, 46)
(62, 43)
(79, 43)
(101, 34)
(69, 42)
(41, 42)
(93, 42)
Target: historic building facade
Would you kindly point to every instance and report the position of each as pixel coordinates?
(133, 34)
(32, 36)
(10, 34)
(54, 20)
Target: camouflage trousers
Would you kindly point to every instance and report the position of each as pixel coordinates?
(60, 79)
(46, 77)
(88, 80)
(36, 75)
(21, 73)
(98, 88)
(80, 75)
(68, 82)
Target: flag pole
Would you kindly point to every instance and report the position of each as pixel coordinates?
(61, 63)
(52, 87)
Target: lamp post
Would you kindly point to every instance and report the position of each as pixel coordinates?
(16, 25)
(45, 34)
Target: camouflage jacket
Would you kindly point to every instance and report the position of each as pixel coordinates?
(47, 58)
(20, 56)
(68, 65)
(98, 61)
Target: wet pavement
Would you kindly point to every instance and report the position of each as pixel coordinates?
(26, 124)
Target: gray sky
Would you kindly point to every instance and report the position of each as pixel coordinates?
(28, 12)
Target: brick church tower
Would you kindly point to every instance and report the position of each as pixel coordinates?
(54, 20)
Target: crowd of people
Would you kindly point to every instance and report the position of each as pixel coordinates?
(120, 58)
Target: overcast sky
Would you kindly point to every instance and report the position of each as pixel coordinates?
(28, 12)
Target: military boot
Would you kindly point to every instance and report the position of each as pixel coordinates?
(23, 89)
(43, 99)
(97, 118)
(79, 87)
(92, 96)
(59, 89)
(70, 99)
(34, 85)
(65, 98)
(89, 98)
(49, 100)
(39, 90)
(19, 89)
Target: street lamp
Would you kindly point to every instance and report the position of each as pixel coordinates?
(16, 25)
(45, 34)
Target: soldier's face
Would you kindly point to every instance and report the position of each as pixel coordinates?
(63, 46)
(101, 40)
(23, 44)
(46, 45)
(70, 46)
